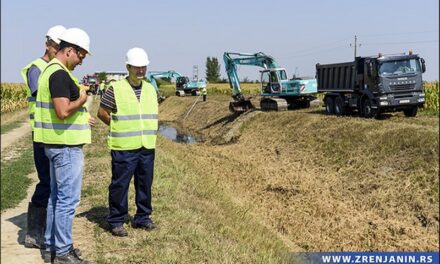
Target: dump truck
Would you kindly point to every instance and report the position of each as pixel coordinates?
(373, 85)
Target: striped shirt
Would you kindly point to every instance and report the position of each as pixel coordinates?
(108, 98)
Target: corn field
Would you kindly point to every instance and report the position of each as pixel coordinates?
(431, 97)
(13, 96)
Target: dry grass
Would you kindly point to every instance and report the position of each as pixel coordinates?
(326, 183)
(198, 221)
(267, 183)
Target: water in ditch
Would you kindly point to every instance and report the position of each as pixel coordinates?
(175, 135)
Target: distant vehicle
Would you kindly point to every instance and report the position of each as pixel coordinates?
(183, 85)
(92, 82)
(277, 91)
(373, 85)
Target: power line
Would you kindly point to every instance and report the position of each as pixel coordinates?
(316, 52)
(399, 34)
(407, 42)
(301, 52)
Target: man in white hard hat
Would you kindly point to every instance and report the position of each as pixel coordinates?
(129, 106)
(36, 215)
(62, 126)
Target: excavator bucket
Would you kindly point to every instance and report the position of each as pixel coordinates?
(240, 106)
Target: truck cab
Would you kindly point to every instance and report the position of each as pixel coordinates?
(396, 80)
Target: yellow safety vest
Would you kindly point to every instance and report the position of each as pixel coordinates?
(49, 129)
(40, 64)
(135, 123)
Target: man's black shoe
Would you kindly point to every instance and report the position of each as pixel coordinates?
(119, 231)
(70, 258)
(148, 226)
(49, 256)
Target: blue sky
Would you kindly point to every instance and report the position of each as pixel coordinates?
(180, 34)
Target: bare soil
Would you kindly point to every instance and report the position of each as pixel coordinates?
(14, 135)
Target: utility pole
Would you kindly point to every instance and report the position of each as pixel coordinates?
(195, 73)
(355, 45)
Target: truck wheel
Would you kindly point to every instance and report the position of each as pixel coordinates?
(367, 110)
(329, 105)
(339, 106)
(411, 112)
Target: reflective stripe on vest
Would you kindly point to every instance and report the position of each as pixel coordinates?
(40, 64)
(49, 129)
(134, 117)
(135, 124)
(50, 106)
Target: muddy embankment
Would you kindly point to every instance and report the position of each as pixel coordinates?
(322, 183)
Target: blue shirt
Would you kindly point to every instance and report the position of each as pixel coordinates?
(32, 75)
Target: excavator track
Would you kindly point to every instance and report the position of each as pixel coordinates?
(277, 104)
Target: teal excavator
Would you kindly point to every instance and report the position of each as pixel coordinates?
(183, 85)
(277, 91)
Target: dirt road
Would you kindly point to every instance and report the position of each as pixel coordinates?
(14, 135)
(13, 221)
(13, 224)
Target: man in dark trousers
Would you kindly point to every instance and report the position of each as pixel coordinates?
(36, 214)
(129, 106)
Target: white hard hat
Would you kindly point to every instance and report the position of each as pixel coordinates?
(55, 32)
(78, 37)
(137, 57)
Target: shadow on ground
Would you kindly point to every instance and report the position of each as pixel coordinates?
(97, 215)
(20, 222)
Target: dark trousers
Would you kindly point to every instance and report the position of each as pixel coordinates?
(125, 164)
(42, 190)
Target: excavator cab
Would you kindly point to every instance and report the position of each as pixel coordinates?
(271, 80)
(181, 82)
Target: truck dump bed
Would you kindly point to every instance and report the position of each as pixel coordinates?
(338, 77)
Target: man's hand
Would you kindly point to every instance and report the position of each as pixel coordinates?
(92, 121)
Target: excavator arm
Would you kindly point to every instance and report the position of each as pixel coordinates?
(232, 59)
(151, 75)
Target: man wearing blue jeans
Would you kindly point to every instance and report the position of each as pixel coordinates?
(36, 214)
(62, 126)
